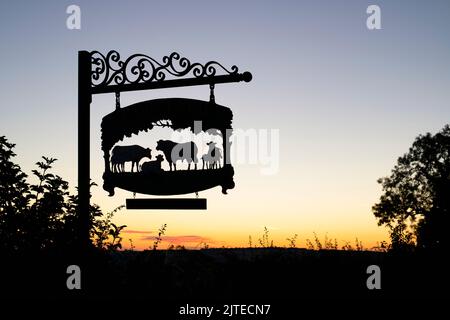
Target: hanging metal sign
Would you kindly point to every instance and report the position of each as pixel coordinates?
(154, 171)
(145, 174)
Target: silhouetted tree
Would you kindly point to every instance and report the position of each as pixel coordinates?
(415, 203)
(14, 197)
(42, 216)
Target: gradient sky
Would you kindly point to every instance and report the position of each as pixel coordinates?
(347, 101)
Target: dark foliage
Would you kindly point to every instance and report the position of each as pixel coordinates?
(43, 216)
(415, 204)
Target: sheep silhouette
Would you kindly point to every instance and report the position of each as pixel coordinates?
(152, 166)
(211, 160)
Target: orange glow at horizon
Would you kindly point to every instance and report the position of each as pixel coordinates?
(144, 240)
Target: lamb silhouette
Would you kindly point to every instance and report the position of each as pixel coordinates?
(152, 166)
(178, 151)
(133, 154)
(211, 160)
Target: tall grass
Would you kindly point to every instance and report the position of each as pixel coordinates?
(158, 239)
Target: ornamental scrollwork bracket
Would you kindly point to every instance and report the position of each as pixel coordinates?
(111, 69)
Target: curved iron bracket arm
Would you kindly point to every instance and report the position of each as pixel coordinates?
(109, 73)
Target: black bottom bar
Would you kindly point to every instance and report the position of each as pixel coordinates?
(167, 204)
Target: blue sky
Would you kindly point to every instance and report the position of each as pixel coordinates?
(347, 101)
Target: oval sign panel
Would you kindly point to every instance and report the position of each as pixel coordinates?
(163, 166)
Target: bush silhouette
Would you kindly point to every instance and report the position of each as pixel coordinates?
(43, 216)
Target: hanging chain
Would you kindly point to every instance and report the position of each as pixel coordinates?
(117, 100)
(211, 94)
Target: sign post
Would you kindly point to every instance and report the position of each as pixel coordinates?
(84, 102)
